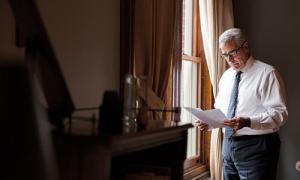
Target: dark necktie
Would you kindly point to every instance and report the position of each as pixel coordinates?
(233, 102)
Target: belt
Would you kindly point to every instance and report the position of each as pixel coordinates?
(247, 137)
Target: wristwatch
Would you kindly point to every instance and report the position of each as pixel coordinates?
(248, 122)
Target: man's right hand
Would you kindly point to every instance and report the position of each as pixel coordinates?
(201, 125)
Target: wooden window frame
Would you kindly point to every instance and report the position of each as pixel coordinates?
(198, 164)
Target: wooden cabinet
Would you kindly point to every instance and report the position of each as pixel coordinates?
(159, 151)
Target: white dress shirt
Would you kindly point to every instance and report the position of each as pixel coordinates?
(261, 97)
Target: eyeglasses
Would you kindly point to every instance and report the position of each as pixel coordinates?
(232, 53)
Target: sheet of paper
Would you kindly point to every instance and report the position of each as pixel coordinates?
(214, 117)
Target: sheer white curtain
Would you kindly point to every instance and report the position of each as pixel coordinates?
(215, 17)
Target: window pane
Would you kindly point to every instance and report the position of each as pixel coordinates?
(188, 27)
(189, 99)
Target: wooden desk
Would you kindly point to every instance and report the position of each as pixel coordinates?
(89, 158)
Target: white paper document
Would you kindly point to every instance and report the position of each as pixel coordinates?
(214, 117)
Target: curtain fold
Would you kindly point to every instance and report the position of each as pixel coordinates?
(154, 34)
(215, 17)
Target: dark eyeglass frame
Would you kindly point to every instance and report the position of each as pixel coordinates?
(232, 53)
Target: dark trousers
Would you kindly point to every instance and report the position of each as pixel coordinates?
(251, 157)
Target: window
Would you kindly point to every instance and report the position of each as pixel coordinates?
(188, 81)
(195, 88)
(189, 74)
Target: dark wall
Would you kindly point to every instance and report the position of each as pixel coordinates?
(85, 36)
(273, 28)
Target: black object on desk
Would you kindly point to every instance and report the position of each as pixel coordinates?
(110, 121)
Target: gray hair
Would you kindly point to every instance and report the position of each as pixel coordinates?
(235, 34)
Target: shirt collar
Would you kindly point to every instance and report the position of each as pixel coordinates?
(249, 63)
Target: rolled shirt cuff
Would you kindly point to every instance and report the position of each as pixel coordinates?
(255, 122)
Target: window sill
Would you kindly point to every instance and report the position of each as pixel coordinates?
(196, 171)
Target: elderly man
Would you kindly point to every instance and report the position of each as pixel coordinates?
(251, 94)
